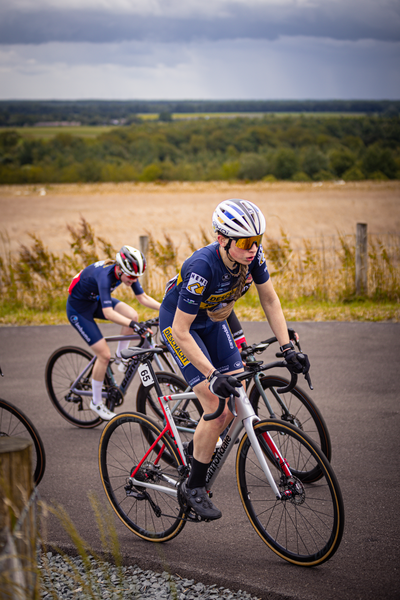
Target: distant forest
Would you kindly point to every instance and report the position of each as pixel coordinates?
(99, 112)
(268, 147)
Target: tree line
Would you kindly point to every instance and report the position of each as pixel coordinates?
(297, 148)
(96, 112)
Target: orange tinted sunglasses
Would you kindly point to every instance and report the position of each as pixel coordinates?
(247, 243)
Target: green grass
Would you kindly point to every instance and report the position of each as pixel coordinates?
(302, 309)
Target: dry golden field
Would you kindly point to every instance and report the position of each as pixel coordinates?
(122, 212)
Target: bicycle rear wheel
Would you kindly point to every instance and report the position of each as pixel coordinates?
(14, 423)
(303, 413)
(304, 527)
(153, 514)
(186, 415)
(62, 369)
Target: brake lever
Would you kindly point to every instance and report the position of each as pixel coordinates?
(231, 405)
(308, 379)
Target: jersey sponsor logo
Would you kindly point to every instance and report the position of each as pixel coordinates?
(196, 284)
(238, 364)
(99, 263)
(226, 277)
(74, 321)
(261, 257)
(216, 299)
(189, 300)
(178, 354)
(228, 336)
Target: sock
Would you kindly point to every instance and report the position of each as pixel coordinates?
(190, 448)
(122, 345)
(96, 389)
(198, 473)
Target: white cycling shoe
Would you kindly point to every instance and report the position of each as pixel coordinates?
(102, 411)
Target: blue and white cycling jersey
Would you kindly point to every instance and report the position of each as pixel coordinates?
(204, 283)
(95, 284)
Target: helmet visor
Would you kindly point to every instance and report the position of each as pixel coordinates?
(247, 243)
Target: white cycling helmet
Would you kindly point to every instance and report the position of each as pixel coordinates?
(237, 218)
(131, 261)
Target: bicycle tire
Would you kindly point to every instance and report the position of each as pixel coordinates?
(62, 369)
(157, 517)
(14, 423)
(147, 403)
(303, 411)
(306, 529)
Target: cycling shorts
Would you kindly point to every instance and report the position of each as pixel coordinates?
(213, 338)
(237, 330)
(81, 315)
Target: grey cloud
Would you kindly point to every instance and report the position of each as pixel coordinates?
(340, 21)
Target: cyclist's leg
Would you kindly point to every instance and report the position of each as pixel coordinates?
(216, 342)
(236, 329)
(85, 325)
(127, 311)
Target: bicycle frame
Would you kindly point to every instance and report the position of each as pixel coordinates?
(130, 372)
(261, 390)
(244, 417)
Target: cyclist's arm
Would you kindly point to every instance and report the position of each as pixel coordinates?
(273, 311)
(148, 301)
(112, 315)
(184, 339)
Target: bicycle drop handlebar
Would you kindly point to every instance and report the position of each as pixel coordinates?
(245, 375)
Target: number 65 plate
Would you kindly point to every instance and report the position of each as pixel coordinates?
(145, 375)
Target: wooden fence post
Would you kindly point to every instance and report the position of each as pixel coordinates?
(144, 247)
(18, 559)
(361, 260)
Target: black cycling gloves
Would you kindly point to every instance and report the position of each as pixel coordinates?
(137, 329)
(223, 385)
(297, 362)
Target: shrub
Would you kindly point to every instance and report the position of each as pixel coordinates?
(285, 163)
(353, 174)
(253, 167)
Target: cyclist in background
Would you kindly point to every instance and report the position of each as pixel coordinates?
(193, 324)
(90, 298)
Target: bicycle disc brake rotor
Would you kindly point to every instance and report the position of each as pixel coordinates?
(183, 418)
(293, 420)
(293, 490)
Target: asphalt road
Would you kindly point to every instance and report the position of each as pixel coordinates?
(355, 372)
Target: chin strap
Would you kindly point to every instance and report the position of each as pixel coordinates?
(227, 248)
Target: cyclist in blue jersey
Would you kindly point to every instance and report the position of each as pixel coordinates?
(193, 323)
(90, 298)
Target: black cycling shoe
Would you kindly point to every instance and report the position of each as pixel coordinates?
(198, 500)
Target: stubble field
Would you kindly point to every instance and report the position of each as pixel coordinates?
(123, 212)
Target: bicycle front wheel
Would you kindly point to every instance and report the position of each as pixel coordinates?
(186, 414)
(14, 423)
(305, 526)
(62, 369)
(295, 407)
(153, 511)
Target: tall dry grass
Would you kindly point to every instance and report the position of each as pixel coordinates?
(319, 268)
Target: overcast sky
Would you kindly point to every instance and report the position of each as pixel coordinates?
(199, 49)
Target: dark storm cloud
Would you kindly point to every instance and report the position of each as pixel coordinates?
(336, 19)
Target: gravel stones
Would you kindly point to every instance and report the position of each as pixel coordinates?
(70, 578)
